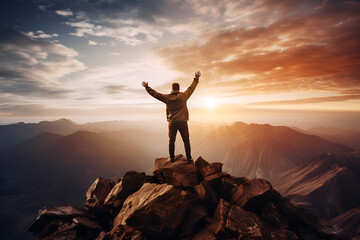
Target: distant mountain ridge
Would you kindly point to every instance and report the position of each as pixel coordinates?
(328, 185)
(53, 169)
(13, 134)
(262, 150)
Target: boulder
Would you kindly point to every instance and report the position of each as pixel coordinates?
(60, 214)
(65, 223)
(65, 231)
(156, 209)
(207, 169)
(206, 193)
(243, 224)
(178, 173)
(249, 190)
(130, 183)
(216, 177)
(195, 219)
(122, 232)
(86, 224)
(220, 217)
(98, 192)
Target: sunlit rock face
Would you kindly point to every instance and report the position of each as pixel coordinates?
(180, 201)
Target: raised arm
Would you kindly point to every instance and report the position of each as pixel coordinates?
(193, 85)
(154, 93)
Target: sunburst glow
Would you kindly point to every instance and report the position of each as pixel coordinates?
(210, 103)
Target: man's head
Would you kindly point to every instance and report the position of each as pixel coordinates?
(175, 87)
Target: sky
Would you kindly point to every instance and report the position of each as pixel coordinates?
(276, 61)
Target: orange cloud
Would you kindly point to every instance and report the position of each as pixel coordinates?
(316, 48)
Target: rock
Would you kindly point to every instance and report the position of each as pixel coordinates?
(280, 234)
(218, 207)
(130, 183)
(248, 190)
(178, 173)
(220, 217)
(272, 215)
(86, 224)
(215, 177)
(156, 209)
(192, 223)
(122, 232)
(243, 224)
(64, 232)
(205, 233)
(47, 215)
(98, 192)
(206, 193)
(207, 169)
(65, 223)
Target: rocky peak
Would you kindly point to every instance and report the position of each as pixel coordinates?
(180, 201)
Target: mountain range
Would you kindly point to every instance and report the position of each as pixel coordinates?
(53, 163)
(262, 150)
(348, 137)
(51, 169)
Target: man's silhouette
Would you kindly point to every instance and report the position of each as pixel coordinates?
(177, 113)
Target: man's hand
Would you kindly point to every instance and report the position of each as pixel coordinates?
(197, 74)
(145, 84)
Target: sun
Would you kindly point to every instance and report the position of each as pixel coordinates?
(210, 103)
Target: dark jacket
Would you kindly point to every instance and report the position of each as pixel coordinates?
(176, 109)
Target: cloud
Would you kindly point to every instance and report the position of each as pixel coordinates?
(30, 66)
(41, 34)
(130, 22)
(128, 32)
(64, 13)
(114, 89)
(93, 43)
(309, 100)
(121, 83)
(302, 47)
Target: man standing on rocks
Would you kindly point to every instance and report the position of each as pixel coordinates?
(177, 113)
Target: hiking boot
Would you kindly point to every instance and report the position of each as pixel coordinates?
(189, 160)
(171, 159)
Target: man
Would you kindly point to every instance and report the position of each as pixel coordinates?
(177, 113)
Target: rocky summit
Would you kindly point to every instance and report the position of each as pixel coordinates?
(180, 201)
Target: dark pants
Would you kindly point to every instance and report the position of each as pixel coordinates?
(184, 132)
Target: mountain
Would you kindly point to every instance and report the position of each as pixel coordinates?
(348, 224)
(53, 169)
(262, 150)
(348, 137)
(328, 185)
(181, 200)
(13, 134)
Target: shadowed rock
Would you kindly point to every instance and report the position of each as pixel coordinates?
(207, 169)
(64, 223)
(122, 232)
(156, 209)
(206, 193)
(98, 192)
(178, 173)
(130, 183)
(250, 189)
(47, 215)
